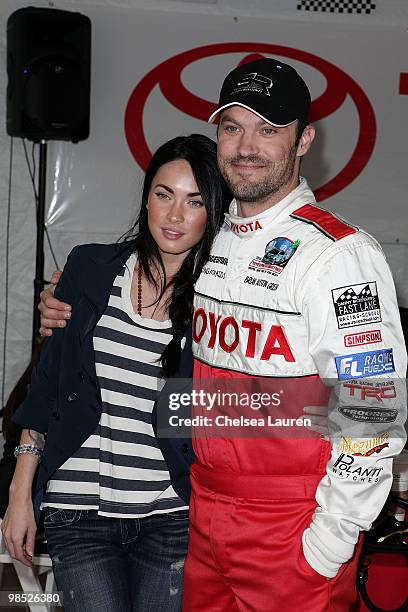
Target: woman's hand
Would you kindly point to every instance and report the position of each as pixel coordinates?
(19, 529)
(18, 526)
(53, 312)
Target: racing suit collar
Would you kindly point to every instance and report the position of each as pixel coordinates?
(246, 227)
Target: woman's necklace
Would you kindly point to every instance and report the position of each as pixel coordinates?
(139, 290)
(139, 293)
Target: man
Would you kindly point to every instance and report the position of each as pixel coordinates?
(290, 292)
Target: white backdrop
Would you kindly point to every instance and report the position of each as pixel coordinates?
(353, 65)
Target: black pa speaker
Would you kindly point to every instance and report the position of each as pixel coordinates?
(49, 69)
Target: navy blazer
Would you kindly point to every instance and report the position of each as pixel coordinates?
(64, 400)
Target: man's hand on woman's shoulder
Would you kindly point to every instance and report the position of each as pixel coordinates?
(53, 312)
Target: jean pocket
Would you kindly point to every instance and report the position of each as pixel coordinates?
(60, 517)
(179, 515)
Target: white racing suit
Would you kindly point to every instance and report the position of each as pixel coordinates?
(294, 293)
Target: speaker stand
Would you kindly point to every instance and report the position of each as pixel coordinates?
(39, 254)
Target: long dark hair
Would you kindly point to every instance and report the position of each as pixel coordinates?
(201, 153)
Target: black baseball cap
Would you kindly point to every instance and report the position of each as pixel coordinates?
(271, 89)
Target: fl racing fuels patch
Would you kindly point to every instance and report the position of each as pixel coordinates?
(363, 365)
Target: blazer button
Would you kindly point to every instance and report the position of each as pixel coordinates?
(184, 448)
(72, 397)
(56, 415)
(81, 376)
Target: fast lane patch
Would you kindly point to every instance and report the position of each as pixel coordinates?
(356, 304)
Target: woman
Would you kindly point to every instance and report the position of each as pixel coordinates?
(116, 529)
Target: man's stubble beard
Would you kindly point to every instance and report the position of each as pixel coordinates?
(278, 176)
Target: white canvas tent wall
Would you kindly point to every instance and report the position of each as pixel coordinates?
(93, 187)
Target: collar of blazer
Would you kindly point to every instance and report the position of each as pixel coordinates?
(102, 266)
(96, 267)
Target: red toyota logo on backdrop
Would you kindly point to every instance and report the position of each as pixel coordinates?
(339, 84)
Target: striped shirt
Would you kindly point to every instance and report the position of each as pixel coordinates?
(120, 470)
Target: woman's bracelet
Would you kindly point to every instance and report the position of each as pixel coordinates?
(30, 449)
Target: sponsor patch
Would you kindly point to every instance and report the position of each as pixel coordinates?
(278, 252)
(368, 337)
(213, 272)
(347, 467)
(218, 259)
(364, 414)
(244, 228)
(364, 448)
(356, 305)
(253, 82)
(366, 391)
(364, 365)
(230, 335)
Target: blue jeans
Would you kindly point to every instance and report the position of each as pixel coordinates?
(117, 565)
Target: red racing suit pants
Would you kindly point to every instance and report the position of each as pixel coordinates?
(245, 548)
